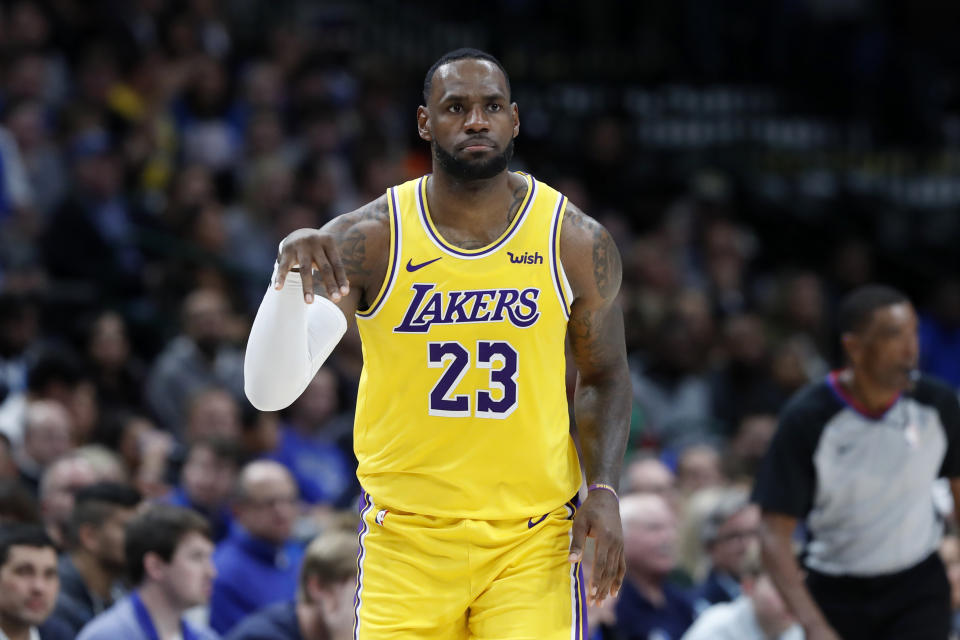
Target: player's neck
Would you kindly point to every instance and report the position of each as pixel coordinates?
(872, 397)
(459, 203)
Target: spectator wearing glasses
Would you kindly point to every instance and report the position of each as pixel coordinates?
(729, 531)
(258, 563)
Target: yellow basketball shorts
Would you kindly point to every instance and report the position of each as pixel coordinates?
(430, 578)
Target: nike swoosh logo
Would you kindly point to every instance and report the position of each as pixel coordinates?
(531, 524)
(413, 267)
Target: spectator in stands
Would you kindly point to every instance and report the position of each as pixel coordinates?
(47, 436)
(743, 385)
(207, 480)
(28, 584)
(92, 238)
(59, 483)
(729, 533)
(17, 504)
(93, 569)
(117, 374)
(212, 412)
(940, 333)
(200, 357)
(646, 473)
(698, 467)
(312, 443)
(648, 605)
(672, 390)
(758, 614)
(54, 375)
(324, 607)
(168, 554)
(258, 563)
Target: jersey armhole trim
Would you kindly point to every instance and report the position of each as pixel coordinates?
(560, 283)
(394, 259)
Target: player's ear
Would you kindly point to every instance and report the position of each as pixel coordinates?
(516, 118)
(423, 123)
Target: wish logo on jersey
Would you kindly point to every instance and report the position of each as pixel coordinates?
(429, 307)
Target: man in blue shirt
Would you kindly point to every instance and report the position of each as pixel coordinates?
(649, 608)
(168, 552)
(324, 606)
(258, 563)
(316, 446)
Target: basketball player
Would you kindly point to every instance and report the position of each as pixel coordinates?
(464, 284)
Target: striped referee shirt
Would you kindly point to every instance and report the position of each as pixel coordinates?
(863, 482)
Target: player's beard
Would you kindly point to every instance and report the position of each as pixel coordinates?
(469, 170)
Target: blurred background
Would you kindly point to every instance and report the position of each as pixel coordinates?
(754, 160)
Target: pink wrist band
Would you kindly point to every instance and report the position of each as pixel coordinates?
(605, 487)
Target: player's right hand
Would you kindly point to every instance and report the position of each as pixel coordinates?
(309, 250)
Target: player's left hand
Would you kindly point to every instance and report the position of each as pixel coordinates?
(599, 518)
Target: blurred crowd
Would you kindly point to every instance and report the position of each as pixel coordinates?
(151, 160)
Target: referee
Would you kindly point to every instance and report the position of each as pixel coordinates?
(855, 457)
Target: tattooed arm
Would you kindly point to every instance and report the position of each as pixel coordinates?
(293, 334)
(349, 255)
(602, 400)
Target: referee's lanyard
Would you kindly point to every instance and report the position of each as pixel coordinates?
(146, 622)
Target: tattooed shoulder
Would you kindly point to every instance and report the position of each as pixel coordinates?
(605, 258)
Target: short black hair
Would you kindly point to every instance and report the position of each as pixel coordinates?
(159, 529)
(54, 366)
(17, 504)
(461, 54)
(856, 309)
(24, 535)
(97, 502)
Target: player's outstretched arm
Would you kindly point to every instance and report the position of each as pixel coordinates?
(319, 280)
(603, 396)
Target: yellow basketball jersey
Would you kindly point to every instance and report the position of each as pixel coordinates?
(462, 408)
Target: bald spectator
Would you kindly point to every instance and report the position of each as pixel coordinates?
(28, 585)
(258, 563)
(729, 532)
(93, 570)
(59, 483)
(167, 550)
(649, 607)
(324, 606)
(200, 357)
(47, 436)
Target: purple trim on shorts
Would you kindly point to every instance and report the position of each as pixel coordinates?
(582, 597)
(365, 504)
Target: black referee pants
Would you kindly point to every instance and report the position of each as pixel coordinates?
(913, 604)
